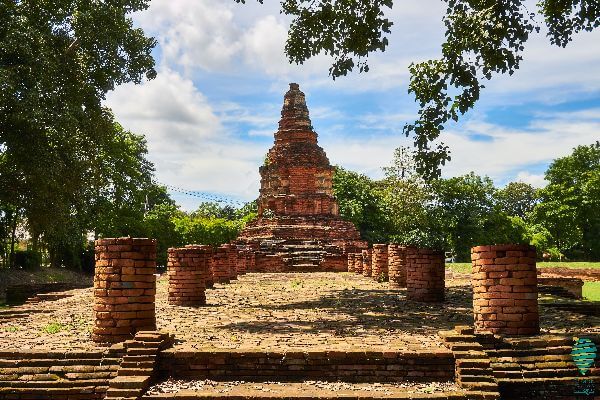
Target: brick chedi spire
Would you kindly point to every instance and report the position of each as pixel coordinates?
(296, 201)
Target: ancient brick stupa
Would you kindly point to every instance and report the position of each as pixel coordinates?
(298, 219)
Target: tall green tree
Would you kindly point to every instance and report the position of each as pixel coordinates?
(57, 61)
(483, 38)
(360, 201)
(517, 199)
(570, 203)
(466, 203)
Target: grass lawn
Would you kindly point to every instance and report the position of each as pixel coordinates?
(578, 264)
(591, 291)
(465, 268)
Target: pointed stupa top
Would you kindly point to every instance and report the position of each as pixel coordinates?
(294, 114)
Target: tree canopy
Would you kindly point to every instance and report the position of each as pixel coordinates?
(454, 214)
(64, 161)
(483, 38)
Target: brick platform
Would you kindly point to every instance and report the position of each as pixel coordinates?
(366, 256)
(379, 263)
(188, 269)
(425, 275)
(124, 288)
(351, 264)
(397, 265)
(505, 289)
(351, 366)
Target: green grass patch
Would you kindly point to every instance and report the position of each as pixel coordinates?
(53, 328)
(577, 264)
(12, 329)
(296, 283)
(463, 268)
(591, 291)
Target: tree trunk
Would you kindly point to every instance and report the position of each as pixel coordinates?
(13, 237)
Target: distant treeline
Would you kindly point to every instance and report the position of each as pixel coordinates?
(561, 220)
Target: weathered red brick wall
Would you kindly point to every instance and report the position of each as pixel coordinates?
(379, 262)
(366, 256)
(124, 288)
(358, 263)
(505, 293)
(219, 265)
(397, 265)
(334, 263)
(351, 264)
(256, 366)
(232, 259)
(269, 263)
(425, 275)
(188, 268)
(571, 286)
(241, 262)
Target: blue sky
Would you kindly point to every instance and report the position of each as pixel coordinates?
(210, 115)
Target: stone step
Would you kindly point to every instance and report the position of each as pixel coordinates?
(135, 371)
(129, 382)
(32, 363)
(80, 392)
(477, 378)
(55, 383)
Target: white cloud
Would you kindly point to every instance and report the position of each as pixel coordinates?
(187, 142)
(535, 180)
(513, 150)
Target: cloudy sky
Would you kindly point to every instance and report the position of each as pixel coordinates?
(210, 115)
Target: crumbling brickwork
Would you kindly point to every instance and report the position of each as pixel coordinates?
(351, 263)
(124, 288)
(425, 275)
(505, 293)
(188, 269)
(366, 256)
(296, 204)
(219, 265)
(358, 263)
(379, 262)
(397, 265)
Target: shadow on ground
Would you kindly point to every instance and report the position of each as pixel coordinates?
(357, 311)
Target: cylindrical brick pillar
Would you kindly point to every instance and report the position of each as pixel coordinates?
(220, 265)
(232, 255)
(366, 256)
(240, 266)
(250, 260)
(358, 263)
(188, 268)
(351, 257)
(425, 275)
(379, 263)
(505, 293)
(397, 265)
(124, 288)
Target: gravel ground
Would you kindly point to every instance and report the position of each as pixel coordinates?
(304, 388)
(277, 311)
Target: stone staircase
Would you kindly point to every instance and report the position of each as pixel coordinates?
(137, 368)
(58, 375)
(314, 374)
(473, 370)
(301, 255)
(539, 368)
